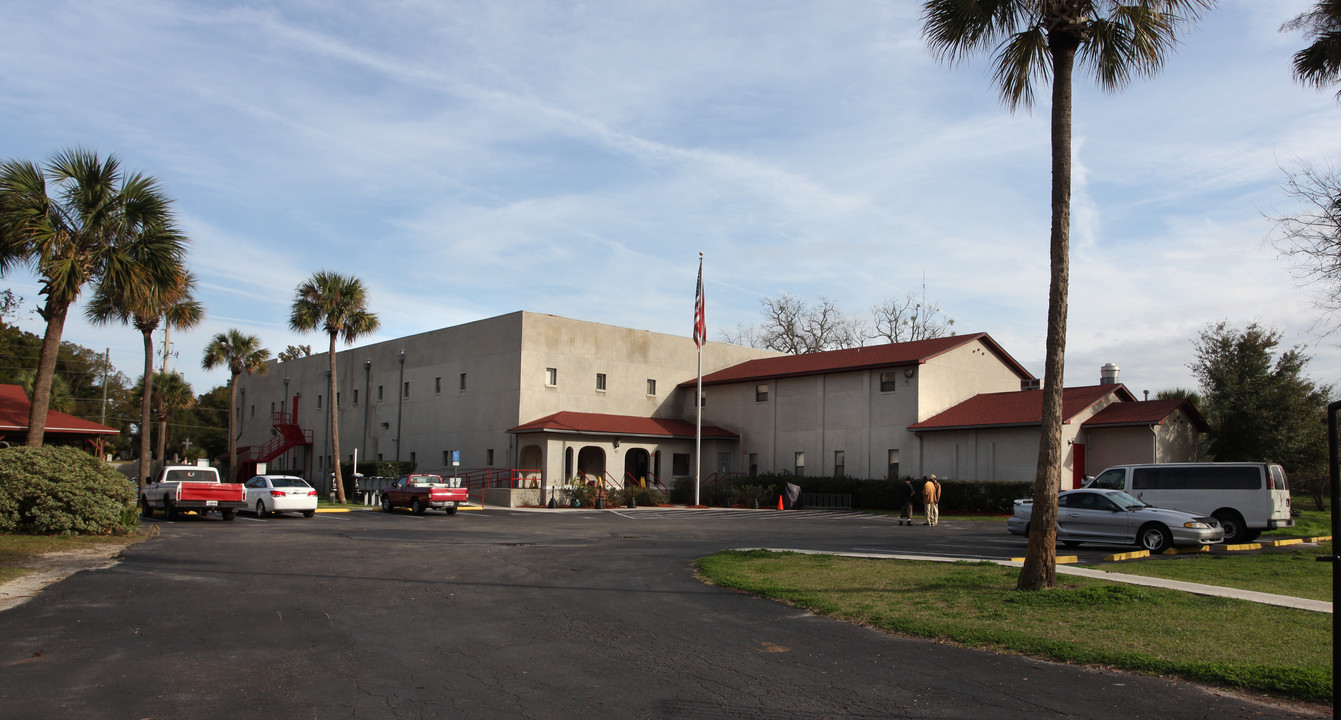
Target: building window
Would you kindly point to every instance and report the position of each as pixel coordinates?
(489, 458)
(272, 408)
(888, 381)
(551, 377)
(680, 464)
(600, 382)
(437, 386)
(407, 389)
(463, 382)
(446, 458)
(754, 464)
(356, 397)
(761, 392)
(651, 386)
(337, 399)
(839, 464)
(800, 464)
(412, 463)
(253, 410)
(893, 464)
(318, 402)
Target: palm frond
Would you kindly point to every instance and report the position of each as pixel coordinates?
(1023, 57)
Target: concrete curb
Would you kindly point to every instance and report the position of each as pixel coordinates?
(1194, 588)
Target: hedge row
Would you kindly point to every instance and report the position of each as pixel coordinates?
(61, 490)
(957, 496)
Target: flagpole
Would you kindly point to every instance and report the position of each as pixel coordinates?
(700, 333)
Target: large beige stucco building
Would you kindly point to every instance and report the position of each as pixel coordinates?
(539, 399)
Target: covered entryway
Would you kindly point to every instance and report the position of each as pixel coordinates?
(591, 463)
(637, 468)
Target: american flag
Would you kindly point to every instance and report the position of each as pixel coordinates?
(700, 325)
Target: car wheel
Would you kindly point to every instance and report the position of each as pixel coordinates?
(416, 507)
(1155, 538)
(309, 513)
(169, 510)
(1232, 522)
(146, 509)
(386, 504)
(260, 509)
(228, 513)
(451, 511)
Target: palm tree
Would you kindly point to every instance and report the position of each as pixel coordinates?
(93, 224)
(146, 306)
(337, 304)
(1037, 40)
(1319, 64)
(171, 392)
(240, 354)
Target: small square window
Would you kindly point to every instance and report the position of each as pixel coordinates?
(318, 402)
(889, 381)
(337, 399)
(651, 386)
(551, 377)
(761, 392)
(600, 381)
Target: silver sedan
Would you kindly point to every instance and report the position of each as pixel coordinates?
(1114, 517)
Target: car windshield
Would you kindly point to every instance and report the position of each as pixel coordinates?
(1125, 501)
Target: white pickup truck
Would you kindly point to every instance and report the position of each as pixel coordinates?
(191, 487)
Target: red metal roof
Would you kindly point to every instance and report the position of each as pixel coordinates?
(1019, 408)
(14, 407)
(622, 425)
(1146, 412)
(870, 356)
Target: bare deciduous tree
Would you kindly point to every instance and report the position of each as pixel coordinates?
(794, 326)
(907, 319)
(1311, 237)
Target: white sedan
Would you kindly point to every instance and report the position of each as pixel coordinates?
(280, 493)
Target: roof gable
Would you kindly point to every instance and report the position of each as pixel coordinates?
(1019, 408)
(860, 358)
(621, 425)
(1147, 412)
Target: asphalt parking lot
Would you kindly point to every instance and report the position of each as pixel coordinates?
(505, 614)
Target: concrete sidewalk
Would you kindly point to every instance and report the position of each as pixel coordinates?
(1195, 588)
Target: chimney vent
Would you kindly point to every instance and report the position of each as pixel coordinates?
(1108, 374)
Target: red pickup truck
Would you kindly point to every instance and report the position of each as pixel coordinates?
(421, 492)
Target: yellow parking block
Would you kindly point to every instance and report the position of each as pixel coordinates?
(1061, 559)
(1135, 554)
(334, 509)
(1282, 543)
(1320, 539)
(1244, 546)
(1188, 550)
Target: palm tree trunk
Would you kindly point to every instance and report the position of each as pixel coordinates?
(232, 431)
(1040, 561)
(46, 370)
(145, 416)
(335, 430)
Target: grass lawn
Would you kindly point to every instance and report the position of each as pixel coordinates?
(1291, 570)
(1310, 523)
(1149, 630)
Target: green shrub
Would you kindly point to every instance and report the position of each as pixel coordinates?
(50, 490)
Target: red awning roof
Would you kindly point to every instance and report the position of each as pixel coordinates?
(14, 407)
(868, 357)
(1021, 408)
(622, 425)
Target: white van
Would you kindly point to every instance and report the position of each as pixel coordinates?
(1245, 497)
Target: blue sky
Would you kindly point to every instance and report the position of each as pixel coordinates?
(470, 159)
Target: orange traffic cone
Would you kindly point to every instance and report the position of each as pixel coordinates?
(779, 502)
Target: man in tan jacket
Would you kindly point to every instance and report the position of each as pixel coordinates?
(931, 497)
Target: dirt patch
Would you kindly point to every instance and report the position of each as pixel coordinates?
(54, 567)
